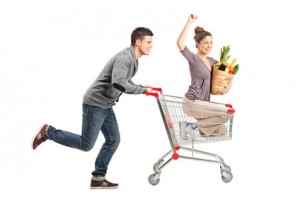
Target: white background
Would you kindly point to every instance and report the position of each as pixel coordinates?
(51, 51)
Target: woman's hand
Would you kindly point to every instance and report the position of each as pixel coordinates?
(181, 38)
(193, 17)
(227, 87)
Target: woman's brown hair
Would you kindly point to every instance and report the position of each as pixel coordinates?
(200, 33)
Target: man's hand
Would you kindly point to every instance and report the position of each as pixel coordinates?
(152, 90)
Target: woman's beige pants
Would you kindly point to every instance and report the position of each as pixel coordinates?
(211, 117)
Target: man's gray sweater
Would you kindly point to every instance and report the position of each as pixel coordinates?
(114, 79)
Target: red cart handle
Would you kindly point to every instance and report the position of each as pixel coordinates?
(155, 94)
(230, 109)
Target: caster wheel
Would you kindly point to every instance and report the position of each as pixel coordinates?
(227, 168)
(153, 179)
(156, 166)
(228, 177)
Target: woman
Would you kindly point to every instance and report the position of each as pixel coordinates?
(210, 122)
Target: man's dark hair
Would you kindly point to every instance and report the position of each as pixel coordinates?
(139, 33)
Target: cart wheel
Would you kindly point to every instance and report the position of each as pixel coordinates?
(153, 179)
(227, 168)
(156, 166)
(228, 177)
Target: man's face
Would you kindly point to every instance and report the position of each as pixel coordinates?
(145, 45)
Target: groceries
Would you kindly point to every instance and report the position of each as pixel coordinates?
(224, 65)
(223, 72)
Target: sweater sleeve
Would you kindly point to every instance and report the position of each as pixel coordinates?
(120, 72)
(189, 56)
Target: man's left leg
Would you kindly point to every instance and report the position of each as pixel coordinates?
(111, 134)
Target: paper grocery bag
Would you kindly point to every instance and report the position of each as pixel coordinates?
(219, 80)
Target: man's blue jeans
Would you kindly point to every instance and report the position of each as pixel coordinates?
(94, 119)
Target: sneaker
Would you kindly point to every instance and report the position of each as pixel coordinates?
(105, 184)
(191, 127)
(183, 131)
(40, 137)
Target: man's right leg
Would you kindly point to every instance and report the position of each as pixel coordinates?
(91, 125)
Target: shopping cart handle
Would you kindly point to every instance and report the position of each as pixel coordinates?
(228, 105)
(157, 89)
(231, 111)
(155, 94)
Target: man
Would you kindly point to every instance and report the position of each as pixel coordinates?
(98, 113)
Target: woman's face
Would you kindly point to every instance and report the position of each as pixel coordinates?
(205, 45)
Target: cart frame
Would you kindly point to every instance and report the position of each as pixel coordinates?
(165, 103)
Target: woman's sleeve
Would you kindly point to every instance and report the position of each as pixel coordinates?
(189, 56)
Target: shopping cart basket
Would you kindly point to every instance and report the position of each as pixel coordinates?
(172, 114)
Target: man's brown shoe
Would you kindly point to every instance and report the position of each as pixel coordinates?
(103, 185)
(40, 137)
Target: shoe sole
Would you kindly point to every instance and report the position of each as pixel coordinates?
(104, 187)
(36, 136)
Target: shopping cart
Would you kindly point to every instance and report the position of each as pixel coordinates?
(172, 114)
